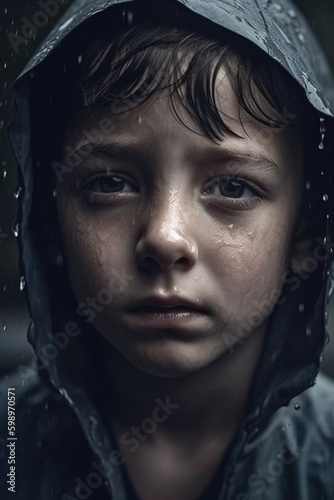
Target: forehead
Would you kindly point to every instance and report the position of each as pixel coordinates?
(163, 122)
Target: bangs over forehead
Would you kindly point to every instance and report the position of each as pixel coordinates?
(130, 67)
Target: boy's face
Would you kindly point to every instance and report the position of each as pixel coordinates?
(164, 225)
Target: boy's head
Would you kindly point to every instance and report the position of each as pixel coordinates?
(191, 150)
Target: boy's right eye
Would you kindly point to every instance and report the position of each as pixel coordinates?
(104, 186)
(108, 184)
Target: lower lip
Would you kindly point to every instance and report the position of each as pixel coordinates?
(170, 318)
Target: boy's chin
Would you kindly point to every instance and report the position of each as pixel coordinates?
(170, 362)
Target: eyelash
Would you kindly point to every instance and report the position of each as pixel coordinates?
(226, 179)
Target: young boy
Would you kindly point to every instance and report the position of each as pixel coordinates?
(175, 235)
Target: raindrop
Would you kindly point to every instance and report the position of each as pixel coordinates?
(164, 337)
(5, 10)
(63, 26)
(5, 65)
(322, 133)
(4, 326)
(231, 226)
(16, 230)
(296, 406)
(325, 197)
(308, 185)
(301, 37)
(4, 173)
(1, 124)
(291, 13)
(17, 192)
(54, 193)
(301, 308)
(139, 120)
(308, 331)
(4, 288)
(80, 59)
(60, 260)
(22, 283)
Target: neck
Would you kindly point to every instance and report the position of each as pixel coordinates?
(210, 401)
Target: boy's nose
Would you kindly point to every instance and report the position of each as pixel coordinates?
(167, 240)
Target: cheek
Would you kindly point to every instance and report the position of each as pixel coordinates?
(248, 264)
(96, 251)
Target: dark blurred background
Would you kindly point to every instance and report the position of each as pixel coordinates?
(14, 317)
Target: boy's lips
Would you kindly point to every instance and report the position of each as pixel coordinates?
(167, 312)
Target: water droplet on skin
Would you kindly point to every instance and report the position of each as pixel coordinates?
(296, 406)
(22, 283)
(325, 197)
(308, 331)
(4, 326)
(301, 308)
(308, 185)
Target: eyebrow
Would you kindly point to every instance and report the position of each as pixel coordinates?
(217, 156)
(146, 151)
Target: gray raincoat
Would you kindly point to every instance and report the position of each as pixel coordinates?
(284, 448)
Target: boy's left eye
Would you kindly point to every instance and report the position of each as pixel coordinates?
(231, 187)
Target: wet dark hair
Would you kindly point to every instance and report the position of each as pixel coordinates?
(130, 67)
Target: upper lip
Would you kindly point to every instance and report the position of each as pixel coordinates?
(167, 302)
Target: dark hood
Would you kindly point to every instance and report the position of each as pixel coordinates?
(297, 335)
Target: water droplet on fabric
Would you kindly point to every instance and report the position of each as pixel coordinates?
(60, 259)
(322, 133)
(301, 308)
(325, 197)
(17, 192)
(22, 283)
(63, 26)
(16, 230)
(296, 406)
